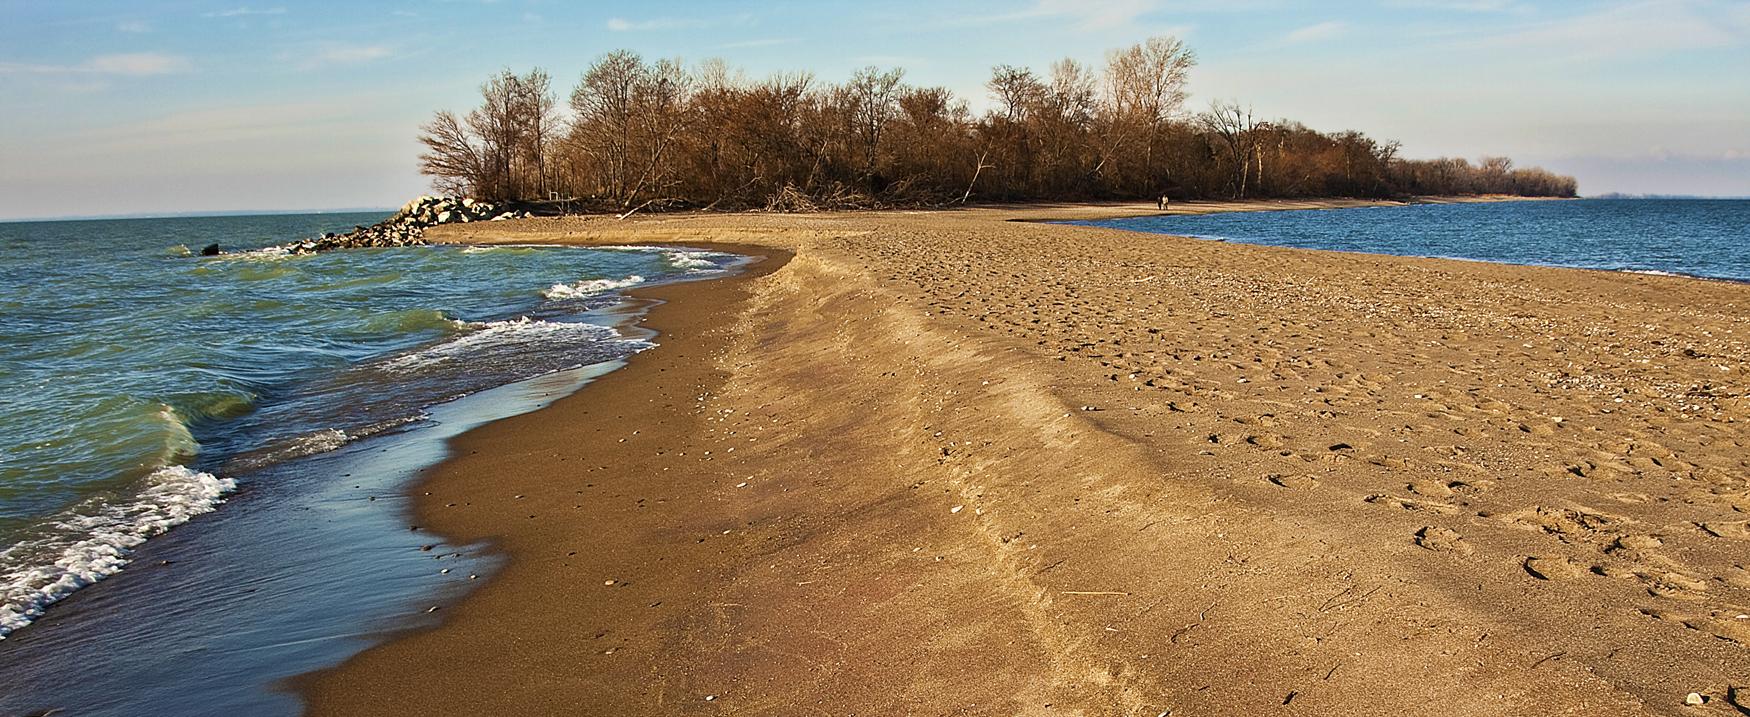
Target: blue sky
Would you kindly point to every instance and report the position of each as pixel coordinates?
(179, 105)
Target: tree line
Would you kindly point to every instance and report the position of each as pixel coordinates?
(635, 133)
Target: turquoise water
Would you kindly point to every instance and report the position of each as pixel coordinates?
(1692, 237)
(144, 385)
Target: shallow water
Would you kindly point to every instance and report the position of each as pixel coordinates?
(1691, 237)
(278, 402)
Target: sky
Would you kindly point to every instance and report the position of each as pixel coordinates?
(127, 107)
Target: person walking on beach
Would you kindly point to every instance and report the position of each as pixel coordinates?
(1161, 203)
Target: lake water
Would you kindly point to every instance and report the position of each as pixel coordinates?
(1693, 237)
(280, 403)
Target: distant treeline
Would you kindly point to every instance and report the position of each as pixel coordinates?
(635, 133)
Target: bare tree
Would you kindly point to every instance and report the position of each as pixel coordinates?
(636, 134)
(494, 150)
(1145, 89)
(451, 157)
(874, 101)
(1017, 89)
(1234, 125)
(538, 113)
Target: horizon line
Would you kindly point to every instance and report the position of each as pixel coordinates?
(206, 213)
(194, 214)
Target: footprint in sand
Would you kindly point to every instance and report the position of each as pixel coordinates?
(1430, 488)
(1738, 576)
(1634, 543)
(1723, 624)
(1442, 539)
(1726, 529)
(1294, 480)
(1411, 504)
(1553, 567)
(1678, 586)
(1571, 524)
(1265, 440)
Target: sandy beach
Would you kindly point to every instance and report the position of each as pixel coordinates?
(960, 463)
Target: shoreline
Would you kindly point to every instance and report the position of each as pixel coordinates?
(890, 536)
(312, 557)
(675, 336)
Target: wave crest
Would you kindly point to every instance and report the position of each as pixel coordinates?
(590, 287)
(95, 541)
(490, 335)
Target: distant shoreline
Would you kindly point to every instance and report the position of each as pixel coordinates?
(1438, 199)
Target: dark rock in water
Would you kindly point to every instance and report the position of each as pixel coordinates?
(210, 250)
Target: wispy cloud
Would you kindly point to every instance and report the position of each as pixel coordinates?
(1460, 5)
(1083, 14)
(355, 54)
(1650, 26)
(138, 64)
(769, 42)
(133, 26)
(1318, 31)
(247, 11)
(620, 24)
(336, 54)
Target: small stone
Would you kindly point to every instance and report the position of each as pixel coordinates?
(957, 509)
(1694, 699)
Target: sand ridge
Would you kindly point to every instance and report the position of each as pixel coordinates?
(951, 463)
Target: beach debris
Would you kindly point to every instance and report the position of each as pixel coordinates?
(956, 509)
(1695, 699)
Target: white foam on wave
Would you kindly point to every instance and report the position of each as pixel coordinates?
(1650, 272)
(308, 444)
(693, 260)
(590, 287)
(95, 541)
(489, 335)
(266, 253)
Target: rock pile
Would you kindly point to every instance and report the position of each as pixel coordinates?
(407, 226)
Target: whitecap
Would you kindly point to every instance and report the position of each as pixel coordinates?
(95, 541)
(266, 253)
(692, 260)
(486, 336)
(590, 287)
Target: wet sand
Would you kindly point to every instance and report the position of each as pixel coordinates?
(954, 463)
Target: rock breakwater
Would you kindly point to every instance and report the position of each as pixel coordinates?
(406, 227)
